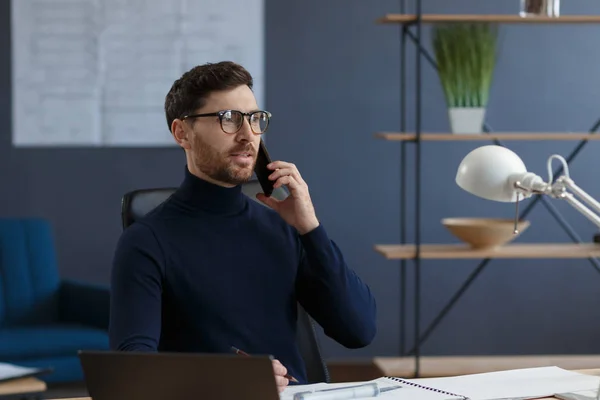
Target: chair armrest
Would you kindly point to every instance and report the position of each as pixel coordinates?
(84, 303)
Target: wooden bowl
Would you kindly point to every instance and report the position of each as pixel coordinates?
(482, 233)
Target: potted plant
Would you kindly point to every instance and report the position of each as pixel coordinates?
(466, 57)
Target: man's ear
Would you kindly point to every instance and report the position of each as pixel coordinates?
(180, 133)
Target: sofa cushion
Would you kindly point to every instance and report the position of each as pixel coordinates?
(29, 278)
(49, 341)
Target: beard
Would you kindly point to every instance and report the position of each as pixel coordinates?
(221, 167)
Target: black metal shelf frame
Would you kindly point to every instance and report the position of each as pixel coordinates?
(413, 31)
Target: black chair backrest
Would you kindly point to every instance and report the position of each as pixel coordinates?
(138, 203)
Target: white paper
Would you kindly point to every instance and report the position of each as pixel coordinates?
(10, 371)
(580, 395)
(519, 383)
(404, 392)
(96, 72)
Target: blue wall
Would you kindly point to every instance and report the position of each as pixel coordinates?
(332, 81)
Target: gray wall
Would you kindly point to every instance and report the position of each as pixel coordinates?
(332, 81)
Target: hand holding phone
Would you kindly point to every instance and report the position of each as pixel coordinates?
(298, 210)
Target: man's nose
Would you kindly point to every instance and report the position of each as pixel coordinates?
(245, 132)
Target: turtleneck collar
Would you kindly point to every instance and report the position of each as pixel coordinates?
(198, 194)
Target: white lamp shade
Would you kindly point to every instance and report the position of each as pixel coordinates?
(485, 172)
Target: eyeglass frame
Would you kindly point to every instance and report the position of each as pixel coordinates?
(222, 112)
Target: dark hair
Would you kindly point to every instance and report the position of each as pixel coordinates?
(189, 92)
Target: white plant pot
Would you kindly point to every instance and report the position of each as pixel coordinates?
(466, 119)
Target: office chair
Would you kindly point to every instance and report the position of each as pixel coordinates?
(137, 203)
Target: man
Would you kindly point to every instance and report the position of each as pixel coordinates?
(211, 269)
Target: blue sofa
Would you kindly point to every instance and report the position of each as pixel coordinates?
(45, 320)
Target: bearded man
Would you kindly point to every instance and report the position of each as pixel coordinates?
(210, 269)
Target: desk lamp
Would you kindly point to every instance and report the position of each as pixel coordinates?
(497, 173)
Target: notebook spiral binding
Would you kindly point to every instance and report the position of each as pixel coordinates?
(396, 379)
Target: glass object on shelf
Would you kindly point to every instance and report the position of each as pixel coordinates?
(537, 8)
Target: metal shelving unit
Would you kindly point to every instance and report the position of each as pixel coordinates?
(411, 30)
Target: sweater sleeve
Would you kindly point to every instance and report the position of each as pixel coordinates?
(136, 286)
(333, 294)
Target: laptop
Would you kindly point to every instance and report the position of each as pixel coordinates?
(120, 375)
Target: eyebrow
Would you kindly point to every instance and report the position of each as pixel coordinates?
(249, 111)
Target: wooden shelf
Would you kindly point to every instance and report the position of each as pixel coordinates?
(499, 18)
(445, 137)
(457, 251)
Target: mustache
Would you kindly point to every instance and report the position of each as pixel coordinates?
(244, 149)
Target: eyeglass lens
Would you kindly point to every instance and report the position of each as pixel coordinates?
(232, 121)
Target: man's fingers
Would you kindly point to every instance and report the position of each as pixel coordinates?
(280, 379)
(290, 182)
(281, 164)
(281, 382)
(281, 168)
(279, 369)
(293, 172)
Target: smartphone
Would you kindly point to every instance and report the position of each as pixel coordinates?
(262, 172)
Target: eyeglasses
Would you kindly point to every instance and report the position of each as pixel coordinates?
(232, 120)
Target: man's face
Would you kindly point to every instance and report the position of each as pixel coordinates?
(224, 158)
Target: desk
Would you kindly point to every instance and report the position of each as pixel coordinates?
(595, 371)
(76, 398)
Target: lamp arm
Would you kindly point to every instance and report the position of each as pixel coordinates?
(559, 190)
(528, 184)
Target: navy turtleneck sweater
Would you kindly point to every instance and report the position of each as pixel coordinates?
(211, 268)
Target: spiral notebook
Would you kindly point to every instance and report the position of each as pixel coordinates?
(527, 383)
(431, 391)
(390, 387)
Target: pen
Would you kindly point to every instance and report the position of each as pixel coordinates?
(360, 391)
(243, 353)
